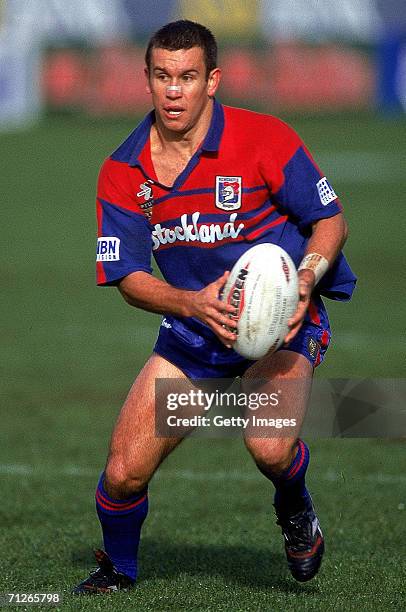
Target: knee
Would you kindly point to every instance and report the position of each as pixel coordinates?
(123, 480)
(272, 455)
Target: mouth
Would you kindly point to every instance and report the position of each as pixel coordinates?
(173, 112)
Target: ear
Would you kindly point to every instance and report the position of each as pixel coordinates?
(147, 85)
(213, 81)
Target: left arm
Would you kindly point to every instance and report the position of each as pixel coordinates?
(327, 239)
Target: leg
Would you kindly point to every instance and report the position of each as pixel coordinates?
(278, 457)
(284, 461)
(135, 452)
(121, 497)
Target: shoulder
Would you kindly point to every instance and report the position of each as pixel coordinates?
(112, 170)
(262, 137)
(134, 142)
(259, 125)
(114, 184)
(116, 166)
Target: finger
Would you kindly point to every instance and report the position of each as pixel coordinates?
(224, 307)
(226, 333)
(221, 281)
(299, 314)
(292, 333)
(304, 293)
(223, 319)
(228, 322)
(226, 337)
(304, 281)
(227, 342)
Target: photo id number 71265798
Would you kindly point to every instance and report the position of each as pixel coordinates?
(26, 599)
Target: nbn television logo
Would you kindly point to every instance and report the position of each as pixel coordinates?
(108, 248)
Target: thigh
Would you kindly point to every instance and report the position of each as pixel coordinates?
(134, 442)
(282, 365)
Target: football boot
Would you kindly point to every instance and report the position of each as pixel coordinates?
(304, 542)
(105, 579)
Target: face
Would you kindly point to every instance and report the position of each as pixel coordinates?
(179, 110)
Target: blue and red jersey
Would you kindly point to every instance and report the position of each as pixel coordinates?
(252, 180)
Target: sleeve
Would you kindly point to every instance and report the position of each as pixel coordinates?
(124, 233)
(303, 192)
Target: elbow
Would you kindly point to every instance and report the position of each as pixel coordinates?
(129, 287)
(344, 232)
(126, 297)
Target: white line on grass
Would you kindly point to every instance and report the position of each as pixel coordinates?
(15, 469)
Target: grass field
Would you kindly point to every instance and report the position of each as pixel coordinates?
(70, 352)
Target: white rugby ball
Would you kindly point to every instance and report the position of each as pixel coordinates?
(263, 287)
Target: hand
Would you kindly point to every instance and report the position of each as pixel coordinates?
(306, 286)
(206, 306)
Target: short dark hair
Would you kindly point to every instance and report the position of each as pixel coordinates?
(184, 34)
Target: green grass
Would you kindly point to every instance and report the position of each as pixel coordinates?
(70, 352)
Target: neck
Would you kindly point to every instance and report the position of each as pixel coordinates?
(188, 141)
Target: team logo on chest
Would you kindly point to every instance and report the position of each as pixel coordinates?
(228, 192)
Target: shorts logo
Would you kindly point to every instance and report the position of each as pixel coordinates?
(108, 248)
(228, 192)
(313, 348)
(326, 192)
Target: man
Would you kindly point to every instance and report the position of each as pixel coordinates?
(198, 184)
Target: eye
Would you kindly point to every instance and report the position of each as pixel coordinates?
(187, 78)
(162, 77)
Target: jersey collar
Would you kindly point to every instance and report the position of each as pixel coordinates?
(213, 137)
(211, 142)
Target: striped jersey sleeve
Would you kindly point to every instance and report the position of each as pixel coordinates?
(123, 231)
(303, 191)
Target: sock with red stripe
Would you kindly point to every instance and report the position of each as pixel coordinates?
(291, 493)
(121, 521)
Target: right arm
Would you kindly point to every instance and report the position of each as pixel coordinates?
(145, 291)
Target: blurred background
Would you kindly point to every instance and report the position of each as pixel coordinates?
(297, 55)
(71, 89)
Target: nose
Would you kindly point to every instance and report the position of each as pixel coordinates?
(174, 91)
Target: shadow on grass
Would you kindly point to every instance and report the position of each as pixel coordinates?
(238, 565)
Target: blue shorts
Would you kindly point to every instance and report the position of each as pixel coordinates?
(192, 346)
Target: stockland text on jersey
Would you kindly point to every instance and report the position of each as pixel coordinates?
(189, 230)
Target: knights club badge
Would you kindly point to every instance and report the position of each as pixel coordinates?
(228, 192)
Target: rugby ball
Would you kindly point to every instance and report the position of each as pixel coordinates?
(263, 287)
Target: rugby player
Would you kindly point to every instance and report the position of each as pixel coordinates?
(196, 184)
